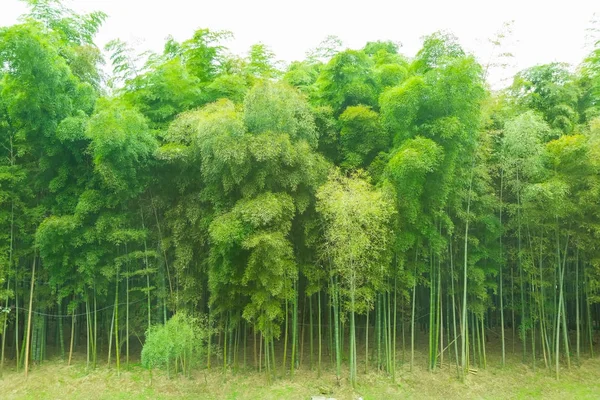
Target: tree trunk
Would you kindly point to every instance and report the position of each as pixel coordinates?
(577, 319)
(72, 337)
(4, 324)
(319, 332)
(27, 342)
(464, 344)
(412, 322)
(501, 294)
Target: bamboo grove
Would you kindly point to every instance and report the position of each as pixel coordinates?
(340, 213)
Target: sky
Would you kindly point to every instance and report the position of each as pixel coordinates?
(543, 31)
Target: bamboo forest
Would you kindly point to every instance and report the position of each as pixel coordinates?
(358, 213)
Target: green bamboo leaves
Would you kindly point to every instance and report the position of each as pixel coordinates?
(357, 233)
(121, 144)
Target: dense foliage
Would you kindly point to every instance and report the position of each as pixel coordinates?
(229, 210)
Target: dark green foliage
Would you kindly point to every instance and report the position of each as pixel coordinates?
(348, 80)
(361, 136)
(552, 91)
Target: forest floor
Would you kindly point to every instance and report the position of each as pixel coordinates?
(56, 380)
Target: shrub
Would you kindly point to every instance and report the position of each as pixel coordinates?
(178, 345)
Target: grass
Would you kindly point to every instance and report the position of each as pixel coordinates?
(56, 380)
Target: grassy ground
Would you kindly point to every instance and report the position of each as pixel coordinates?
(56, 380)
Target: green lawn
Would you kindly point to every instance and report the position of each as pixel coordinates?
(56, 380)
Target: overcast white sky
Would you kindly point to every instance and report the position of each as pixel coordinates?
(544, 31)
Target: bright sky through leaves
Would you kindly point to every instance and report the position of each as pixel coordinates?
(546, 31)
